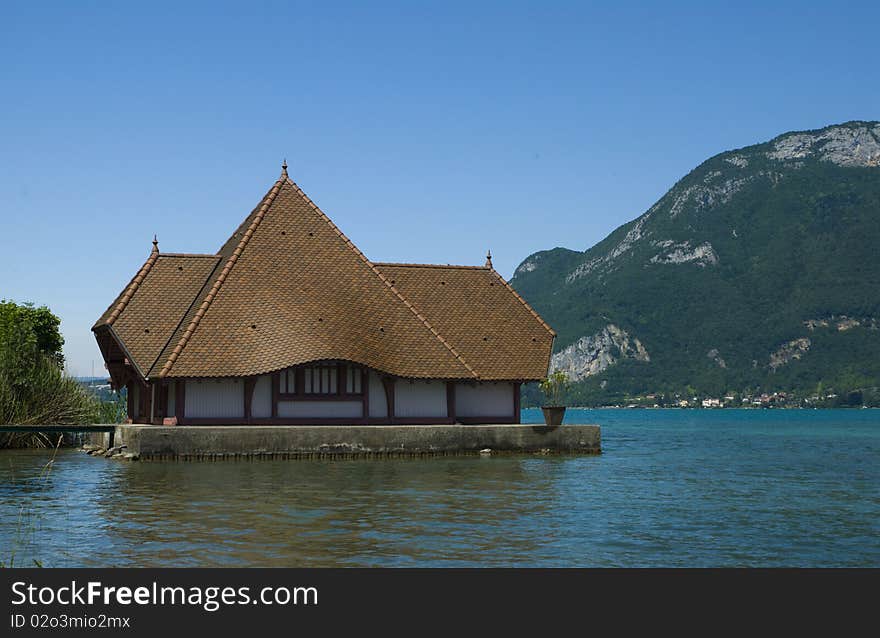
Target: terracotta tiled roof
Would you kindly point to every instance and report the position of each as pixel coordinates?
(115, 309)
(155, 307)
(491, 326)
(289, 287)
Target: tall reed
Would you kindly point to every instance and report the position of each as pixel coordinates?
(26, 525)
(34, 388)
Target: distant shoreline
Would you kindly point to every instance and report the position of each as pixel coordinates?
(701, 409)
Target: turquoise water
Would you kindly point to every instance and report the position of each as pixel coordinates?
(672, 488)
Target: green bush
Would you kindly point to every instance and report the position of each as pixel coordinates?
(34, 389)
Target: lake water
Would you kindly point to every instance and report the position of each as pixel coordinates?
(671, 488)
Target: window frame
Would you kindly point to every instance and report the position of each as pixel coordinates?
(342, 371)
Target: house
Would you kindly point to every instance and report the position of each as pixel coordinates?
(289, 323)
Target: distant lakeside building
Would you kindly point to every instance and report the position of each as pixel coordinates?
(289, 323)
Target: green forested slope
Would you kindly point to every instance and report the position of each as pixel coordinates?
(757, 255)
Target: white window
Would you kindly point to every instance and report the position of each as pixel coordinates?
(353, 380)
(287, 381)
(320, 379)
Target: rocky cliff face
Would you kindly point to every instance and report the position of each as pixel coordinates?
(593, 354)
(743, 259)
(787, 352)
(857, 145)
(841, 323)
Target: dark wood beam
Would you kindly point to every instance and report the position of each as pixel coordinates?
(516, 402)
(450, 400)
(388, 384)
(249, 384)
(276, 381)
(365, 390)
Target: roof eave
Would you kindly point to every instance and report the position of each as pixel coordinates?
(119, 342)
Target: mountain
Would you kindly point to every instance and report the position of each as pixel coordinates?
(759, 271)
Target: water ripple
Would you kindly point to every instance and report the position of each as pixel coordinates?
(672, 488)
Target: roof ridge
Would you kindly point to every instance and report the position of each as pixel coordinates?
(184, 339)
(462, 267)
(212, 256)
(524, 302)
(382, 277)
(133, 286)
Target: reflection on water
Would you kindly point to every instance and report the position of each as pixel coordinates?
(671, 488)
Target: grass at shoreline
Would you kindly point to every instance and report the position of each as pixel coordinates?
(26, 526)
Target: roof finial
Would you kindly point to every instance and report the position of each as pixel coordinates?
(488, 259)
(284, 168)
(155, 244)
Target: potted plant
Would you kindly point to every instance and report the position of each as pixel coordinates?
(554, 387)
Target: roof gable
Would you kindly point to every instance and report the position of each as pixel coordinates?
(146, 315)
(295, 290)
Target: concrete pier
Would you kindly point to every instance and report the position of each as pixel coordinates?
(153, 442)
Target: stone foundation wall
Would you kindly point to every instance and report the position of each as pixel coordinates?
(220, 442)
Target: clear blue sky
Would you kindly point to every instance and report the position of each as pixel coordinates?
(428, 134)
